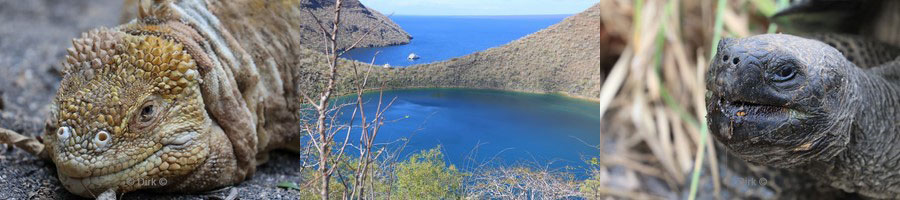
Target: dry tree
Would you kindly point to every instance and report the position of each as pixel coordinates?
(326, 126)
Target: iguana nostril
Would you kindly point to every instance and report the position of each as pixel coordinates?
(736, 60)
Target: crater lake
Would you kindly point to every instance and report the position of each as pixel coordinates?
(475, 127)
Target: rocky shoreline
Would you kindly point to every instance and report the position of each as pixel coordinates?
(570, 58)
(566, 58)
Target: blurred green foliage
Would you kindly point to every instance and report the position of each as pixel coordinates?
(426, 176)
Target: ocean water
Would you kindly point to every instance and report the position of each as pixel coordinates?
(437, 38)
(487, 126)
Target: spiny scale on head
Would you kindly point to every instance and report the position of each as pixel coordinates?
(164, 61)
(106, 66)
(93, 49)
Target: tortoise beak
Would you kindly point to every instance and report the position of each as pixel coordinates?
(741, 106)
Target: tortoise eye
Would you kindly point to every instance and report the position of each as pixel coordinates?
(784, 73)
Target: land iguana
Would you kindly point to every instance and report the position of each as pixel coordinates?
(803, 105)
(179, 95)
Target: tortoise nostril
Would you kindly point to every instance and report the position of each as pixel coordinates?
(725, 58)
(736, 60)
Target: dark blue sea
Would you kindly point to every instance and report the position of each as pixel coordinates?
(474, 127)
(437, 38)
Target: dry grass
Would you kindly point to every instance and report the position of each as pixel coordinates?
(654, 95)
(521, 182)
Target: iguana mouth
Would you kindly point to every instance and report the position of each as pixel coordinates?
(151, 161)
(131, 175)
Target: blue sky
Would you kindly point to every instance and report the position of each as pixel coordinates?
(479, 7)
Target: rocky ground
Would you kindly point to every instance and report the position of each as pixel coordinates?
(33, 38)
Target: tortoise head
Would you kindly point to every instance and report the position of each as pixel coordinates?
(128, 114)
(780, 100)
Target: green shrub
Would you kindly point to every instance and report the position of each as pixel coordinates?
(426, 176)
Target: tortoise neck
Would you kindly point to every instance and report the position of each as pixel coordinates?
(871, 156)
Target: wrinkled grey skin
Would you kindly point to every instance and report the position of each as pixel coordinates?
(799, 104)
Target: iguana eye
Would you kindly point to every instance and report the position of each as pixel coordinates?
(101, 139)
(147, 113)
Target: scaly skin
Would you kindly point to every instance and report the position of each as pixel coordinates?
(794, 103)
(169, 102)
(129, 107)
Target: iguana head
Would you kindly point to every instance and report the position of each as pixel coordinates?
(128, 113)
(780, 100)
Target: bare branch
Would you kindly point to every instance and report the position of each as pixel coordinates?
(325, 33)
(356, 43)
